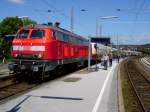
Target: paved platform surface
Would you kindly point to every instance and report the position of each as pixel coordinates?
(83, 91)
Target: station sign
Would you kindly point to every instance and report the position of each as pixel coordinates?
(104, 41)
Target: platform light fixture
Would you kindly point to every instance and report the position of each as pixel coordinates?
(23, 18)
(102, 18)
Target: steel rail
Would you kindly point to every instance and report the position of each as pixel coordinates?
(135, 90)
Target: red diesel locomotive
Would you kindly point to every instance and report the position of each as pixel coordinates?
(39, 49)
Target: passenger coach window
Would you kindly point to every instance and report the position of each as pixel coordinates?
(23, 34)
(37, 34)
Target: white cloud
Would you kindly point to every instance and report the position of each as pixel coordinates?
(17, 1)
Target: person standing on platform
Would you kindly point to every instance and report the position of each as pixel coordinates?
(118, 58)
(105, 61)
(110, 59)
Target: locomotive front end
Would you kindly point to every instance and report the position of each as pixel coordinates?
(29, 51)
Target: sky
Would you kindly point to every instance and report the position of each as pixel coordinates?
(131, 27)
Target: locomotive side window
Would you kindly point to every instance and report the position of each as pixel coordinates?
(60, 36)
(65, 38)
(72, 39)
(23, 34)
(37, 34)
(53, 35)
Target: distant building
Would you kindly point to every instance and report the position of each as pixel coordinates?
(101, 40)
(132, 47)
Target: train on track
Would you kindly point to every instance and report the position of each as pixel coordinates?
(37, 50)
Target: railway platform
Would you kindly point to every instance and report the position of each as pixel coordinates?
(81, 91)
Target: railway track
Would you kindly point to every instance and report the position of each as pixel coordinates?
(146, 62)
(9, 87)
(148, 59)
(14, 89)
(7, 80)
(137, 98)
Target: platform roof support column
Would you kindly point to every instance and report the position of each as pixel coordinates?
(89, 54)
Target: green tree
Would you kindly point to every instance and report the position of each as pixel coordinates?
(4, 50)
(28, 22)
(146, 51)
(10, 25)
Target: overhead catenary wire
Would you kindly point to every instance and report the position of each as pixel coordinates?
(53, 7)
(137, 13)
(38, 11)
(138, 7)
(62, 13)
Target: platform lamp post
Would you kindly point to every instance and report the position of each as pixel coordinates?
(97, 26)
(102, 18)
(118, 49)
(89, 53)
(72, 18)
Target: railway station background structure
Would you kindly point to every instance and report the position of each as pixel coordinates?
(101, 40)
(97, 40)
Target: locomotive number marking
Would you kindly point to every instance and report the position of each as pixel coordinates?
(26, 48)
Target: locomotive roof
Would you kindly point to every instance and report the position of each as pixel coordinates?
(56, 28)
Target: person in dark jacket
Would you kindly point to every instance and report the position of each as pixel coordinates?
(118, 58)
(110, 59)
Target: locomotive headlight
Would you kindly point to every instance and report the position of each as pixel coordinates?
(40, 55)
(15, 55)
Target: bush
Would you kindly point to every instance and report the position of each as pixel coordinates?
(4, 50)
(146, 51)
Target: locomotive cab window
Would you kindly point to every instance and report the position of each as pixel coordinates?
(23, 34)
(37, 34)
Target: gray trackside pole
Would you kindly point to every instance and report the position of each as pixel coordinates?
(96, 58)
(89, 55)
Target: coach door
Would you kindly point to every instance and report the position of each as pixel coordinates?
(60, 48)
